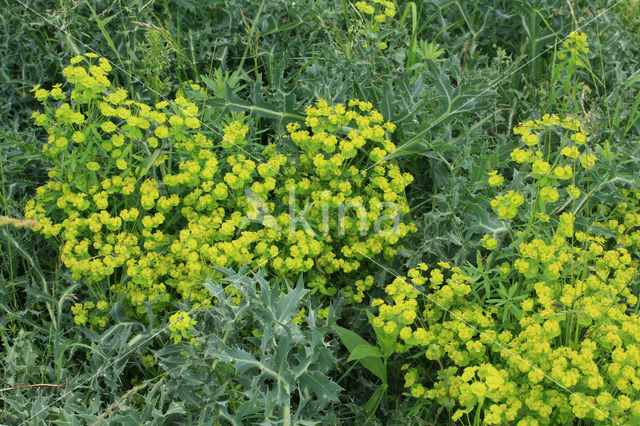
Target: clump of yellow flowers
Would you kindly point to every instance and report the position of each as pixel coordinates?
(181, 326)
(575, 45)
(379, 10)
(143, 204)
(376, 13)
(551, 170)
(574, 351)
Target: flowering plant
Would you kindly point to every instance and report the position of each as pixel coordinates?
(375, 14)
(142, 203)
(573, 351)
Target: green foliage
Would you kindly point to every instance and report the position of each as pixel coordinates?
(252, 362)
(281, 367)
(373, 358)
(455, 77)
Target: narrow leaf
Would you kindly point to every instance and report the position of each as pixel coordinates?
(371, 406)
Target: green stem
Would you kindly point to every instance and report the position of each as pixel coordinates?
(287, 409)
(6, 210)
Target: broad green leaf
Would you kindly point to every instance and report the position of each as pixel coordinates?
(96, 133)
(364, 351)
(242, 359)
(260, 108)
(602, 231)
(486, 222)
(352, 340)
(386, 103)
(216, 290)
(135, 132)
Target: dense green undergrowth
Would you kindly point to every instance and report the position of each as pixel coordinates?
(384, 212)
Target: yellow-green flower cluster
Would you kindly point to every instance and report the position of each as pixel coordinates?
(575, 44)
(624, 220)
(572, 352)
(89, 313)
(367, 193)
(507, 205)
(495, 179)
(385, 9)
(577, 331)
(552, 169)
(489, 242)
(181, 326)
(374, 14)
(430, 311)
(146, 206)
(234, 135)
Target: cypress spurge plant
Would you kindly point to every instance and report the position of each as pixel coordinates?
(572, 349)
(142, 204)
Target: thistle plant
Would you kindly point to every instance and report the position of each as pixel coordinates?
(279, 370)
